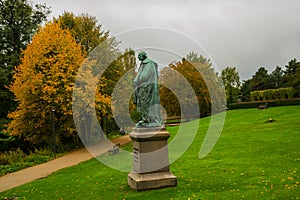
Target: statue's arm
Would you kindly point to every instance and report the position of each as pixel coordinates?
(147, 73)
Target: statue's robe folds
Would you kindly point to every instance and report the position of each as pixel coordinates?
(147, 93)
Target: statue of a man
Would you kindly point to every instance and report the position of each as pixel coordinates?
(147, 92)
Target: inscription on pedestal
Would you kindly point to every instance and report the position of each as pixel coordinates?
(136, 155)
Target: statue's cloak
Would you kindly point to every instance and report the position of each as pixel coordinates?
(147, 91)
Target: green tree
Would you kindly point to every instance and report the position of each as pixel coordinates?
(296, 81)
(260, 80)
(277, 78)
(291, 73)
(231, 81)
(19, 20)
(290, 70)
(245, 91)
(85, 29)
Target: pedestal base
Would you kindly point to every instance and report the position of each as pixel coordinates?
(150, 160)
(151, 180)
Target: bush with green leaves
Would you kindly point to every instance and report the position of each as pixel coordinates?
(270, 103)
(273, 94)
(11, 161)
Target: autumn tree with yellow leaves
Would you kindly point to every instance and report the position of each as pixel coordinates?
(97, 43)
(193, 71)
(44, 80)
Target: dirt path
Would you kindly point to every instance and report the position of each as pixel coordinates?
(43, 170)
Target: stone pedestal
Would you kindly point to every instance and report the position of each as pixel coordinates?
(150, 159)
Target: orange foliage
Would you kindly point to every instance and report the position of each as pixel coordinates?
(43, 80)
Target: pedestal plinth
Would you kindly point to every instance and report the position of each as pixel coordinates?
(150, 160)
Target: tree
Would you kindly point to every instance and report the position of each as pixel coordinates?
(19, 20)
(260, 80)
(291, 73)
(89, 34)
(113, 74)
(231, 81)
(84, 28)
(188, 68)
(170, 83)
(245, 91)
(296, 81)
(276, 78)
(44, 80)
(290, 70)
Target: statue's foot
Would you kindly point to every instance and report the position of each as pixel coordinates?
(141, 123)
(145, 124)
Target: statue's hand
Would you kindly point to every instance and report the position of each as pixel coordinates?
(135, 83)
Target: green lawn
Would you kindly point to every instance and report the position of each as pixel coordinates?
(253, 159)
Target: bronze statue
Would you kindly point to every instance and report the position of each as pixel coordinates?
(147, 92)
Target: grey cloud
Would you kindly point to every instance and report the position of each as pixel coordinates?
(242, 33)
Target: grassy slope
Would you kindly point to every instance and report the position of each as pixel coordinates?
(252, 160)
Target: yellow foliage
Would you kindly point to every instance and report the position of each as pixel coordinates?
(173, 76)
(45, 79)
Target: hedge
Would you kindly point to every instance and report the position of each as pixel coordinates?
(273, 94)
(270, 103)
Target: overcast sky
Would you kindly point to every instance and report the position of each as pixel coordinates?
(241, 33)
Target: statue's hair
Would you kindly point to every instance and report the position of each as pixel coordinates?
(143, 53)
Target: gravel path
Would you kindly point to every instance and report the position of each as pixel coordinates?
(27, 175)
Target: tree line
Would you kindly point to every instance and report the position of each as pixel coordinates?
(39, 61)
(239, 91)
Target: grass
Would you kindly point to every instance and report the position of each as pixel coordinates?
(253, 159)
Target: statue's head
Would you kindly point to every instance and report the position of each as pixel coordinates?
(142, 55)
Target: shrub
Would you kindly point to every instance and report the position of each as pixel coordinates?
(273, 94)
(11, 161)
(36, 159)
(271, 103)
(11, 157)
